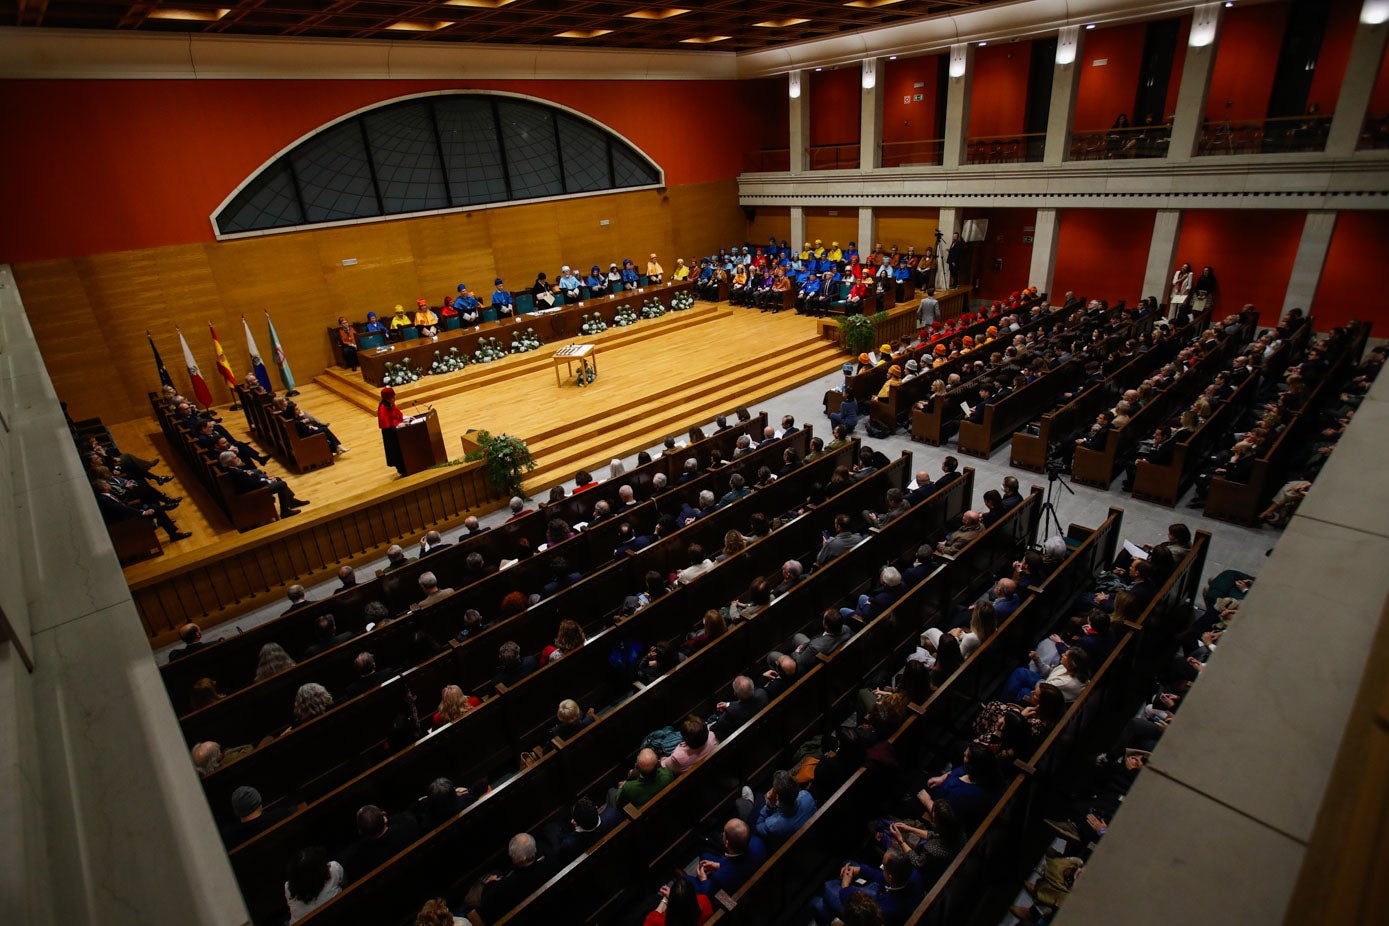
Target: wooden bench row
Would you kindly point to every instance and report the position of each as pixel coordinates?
(277, 432)
(245, 510)
(231, 662)
(533, 699)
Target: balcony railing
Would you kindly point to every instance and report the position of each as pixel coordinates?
(1004, 149)
(1279, 135)
(1135, 141)
(834, 157)
(767, 159)
(1375, 132)
(912, 153)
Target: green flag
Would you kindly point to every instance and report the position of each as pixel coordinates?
(281, 361)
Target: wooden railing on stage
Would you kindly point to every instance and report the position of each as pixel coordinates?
(901, 320)
(218, 583)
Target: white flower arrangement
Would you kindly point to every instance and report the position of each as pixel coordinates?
(681, 301)
(652, 308)
(400, 374)
(488, 349)
(625, 316)
(448, 363)
(592, 324)
(525, 341)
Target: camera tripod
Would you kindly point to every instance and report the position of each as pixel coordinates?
(1049, 516)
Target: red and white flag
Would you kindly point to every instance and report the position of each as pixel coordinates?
(200, 390)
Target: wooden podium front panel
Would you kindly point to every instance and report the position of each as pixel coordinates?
(422, 444)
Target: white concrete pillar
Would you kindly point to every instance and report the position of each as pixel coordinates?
(870, 135)
(1044, 239)
(1064, 83)
(798, 86)
(1162, 253)
(866, 229)
(797, 229)
(1202, 43)
(1311, 258)
(957, 105)
(1353, 102)
(948, 225)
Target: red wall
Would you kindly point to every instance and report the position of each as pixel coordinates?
(769, 125)
(1004, 241)
(1252, 253)
(1102, 253)
(1353, 275)
(998, 101)
(1245, 60)
(1341, 24)
(835, 97)
(115, 165)
(911, 121)
(1107, 91)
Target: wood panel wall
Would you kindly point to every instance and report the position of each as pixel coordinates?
(768, 221)
(829, 228)
(905, 227)
(90, 314)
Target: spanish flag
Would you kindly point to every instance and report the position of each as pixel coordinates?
(222, 365)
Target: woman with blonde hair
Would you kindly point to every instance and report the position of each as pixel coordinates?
(569, 719)
(453, 705)
(712, 627)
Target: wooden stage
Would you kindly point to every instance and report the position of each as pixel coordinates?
(657, 377)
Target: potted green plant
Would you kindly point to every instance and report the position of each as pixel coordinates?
(506, 459)
(857, 333)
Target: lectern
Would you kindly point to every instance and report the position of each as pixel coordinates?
(421, 443)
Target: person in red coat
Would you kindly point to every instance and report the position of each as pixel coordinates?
(387, 417)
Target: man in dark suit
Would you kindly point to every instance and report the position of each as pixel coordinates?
(511, 666)
(113, 511)
(878, 599)
(504, 890)
(326, 635)
(629, 541)
(986, 392)
(921, 566)
(585, 827)
(368, 676)
(748, 700)
(431, 542)
(768, 436)
(805, 649)
(743, 853)
(924, 488)
(247, 480)
(1012, 498)
(210, 431)
(721, 424)
(1159, 453)
(788, 426)
(949, 473)
(192, 637)
(298, 598)
(379, 838)
(777, 680)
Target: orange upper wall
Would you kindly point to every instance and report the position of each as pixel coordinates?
(904, 117)
(998, 101)
(1245, 61)
(1108, 90)
(835, 99)
(104, 166)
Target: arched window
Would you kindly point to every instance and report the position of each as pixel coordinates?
(434, 153)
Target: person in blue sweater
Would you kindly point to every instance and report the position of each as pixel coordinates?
(501, 299)
(630, 278)
(786, 809)
(743, 853)
(895, 887)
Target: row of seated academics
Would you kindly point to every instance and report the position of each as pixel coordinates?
(777, 815)
(467, 307)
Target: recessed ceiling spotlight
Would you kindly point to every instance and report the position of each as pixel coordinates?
(1089, 25)
(705, 39)
(582, 33)
(780, 23)
(1229, 3)
(892, 57)
(818, 70)
(982, 44)
(406, 25)
(202, 16)
(665, 12)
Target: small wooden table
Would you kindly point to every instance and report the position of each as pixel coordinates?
(571, 352)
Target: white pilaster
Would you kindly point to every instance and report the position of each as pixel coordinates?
(797, 229)
(1162, 253)
(1196, 82)
(1311, 258)
(1064, 83)
(957, 105)
(870, 135)
(1353, 102)
(798, 85)
(1044, 239)
(866, 229)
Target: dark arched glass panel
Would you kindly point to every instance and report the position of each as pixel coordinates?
(449, 151)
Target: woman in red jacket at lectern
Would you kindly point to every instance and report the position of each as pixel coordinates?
(387, 417)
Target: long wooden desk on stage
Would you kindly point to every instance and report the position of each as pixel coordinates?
(549, 326)
(421, 443)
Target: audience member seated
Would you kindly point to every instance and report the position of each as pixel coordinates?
(251, 817)
(313, 881)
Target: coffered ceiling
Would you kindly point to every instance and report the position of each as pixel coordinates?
(715, 25)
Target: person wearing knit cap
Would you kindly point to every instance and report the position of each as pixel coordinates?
(467, 305)
(865, 362)
(596, 282)
(388, 418)
(568, 284)
(894, 377)
(992, 332)
(425, 319)
(912, 370)
(400, 319)
(654, 272)
(614, 279)
(969, 342)
(630, 278)
(374, 325)
(681, 271)
(834, 253)
(501, 299)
